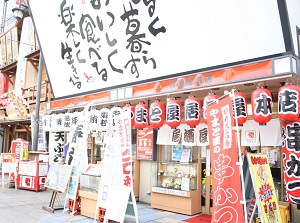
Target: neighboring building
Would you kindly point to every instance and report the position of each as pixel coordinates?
(18, 76)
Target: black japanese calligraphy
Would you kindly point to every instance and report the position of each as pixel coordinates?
(288, 102)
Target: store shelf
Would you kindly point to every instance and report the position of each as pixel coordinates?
(178, 187)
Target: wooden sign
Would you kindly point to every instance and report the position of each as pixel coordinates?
(8, 166)
(58, 177)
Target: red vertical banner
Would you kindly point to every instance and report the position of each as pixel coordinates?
(146, 144)
(291, 160)
(226, 181)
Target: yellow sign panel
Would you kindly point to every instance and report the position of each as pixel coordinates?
(264, 188)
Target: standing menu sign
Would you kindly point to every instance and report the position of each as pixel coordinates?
(227, 195)
(8, 165)
(58, 177)
(264, 188)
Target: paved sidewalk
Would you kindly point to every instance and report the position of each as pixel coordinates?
(22, 206)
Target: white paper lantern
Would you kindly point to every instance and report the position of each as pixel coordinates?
(94, 119)
(113, 113)
(75, 119)
(52, 122)
(104, 119)
(46, 123)
(60, 122)
(67, 122)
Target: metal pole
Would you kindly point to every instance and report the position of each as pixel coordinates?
(37, 107)
(240, 161)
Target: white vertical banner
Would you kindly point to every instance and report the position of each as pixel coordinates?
(78, 148)
(118, 196)
(41, 144)
(107, 175)
(56, 145)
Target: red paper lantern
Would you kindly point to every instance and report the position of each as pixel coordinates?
(173, 113)
(192, 111)
(288, 102)
(131, 109)
(141, 115)
(157, 114)
(239, 106)
(261, 101)
(208, 99)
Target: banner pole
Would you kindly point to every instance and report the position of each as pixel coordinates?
(240, 162)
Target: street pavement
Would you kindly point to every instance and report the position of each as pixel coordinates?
(25, 206)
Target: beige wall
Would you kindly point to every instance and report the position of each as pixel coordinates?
(32, 75)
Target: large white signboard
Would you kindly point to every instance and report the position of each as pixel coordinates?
(94, 45)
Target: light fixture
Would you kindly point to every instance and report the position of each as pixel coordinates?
(20, 11)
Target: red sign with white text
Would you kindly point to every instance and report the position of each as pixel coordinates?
(224, 156)
(145, 144)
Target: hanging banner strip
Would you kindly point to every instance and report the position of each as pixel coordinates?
(291, 160)
(227, 196)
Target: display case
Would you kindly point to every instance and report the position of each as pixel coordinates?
(89, 185)
(178, 187)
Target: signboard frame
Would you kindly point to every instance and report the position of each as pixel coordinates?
(158, 31)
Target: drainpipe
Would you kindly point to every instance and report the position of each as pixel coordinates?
(37, 106)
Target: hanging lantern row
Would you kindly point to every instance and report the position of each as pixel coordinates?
(158, 113)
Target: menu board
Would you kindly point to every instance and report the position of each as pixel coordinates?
(264, 188)
(8, 162)
(58, 177)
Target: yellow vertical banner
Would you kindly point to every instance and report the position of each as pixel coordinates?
(8, 48)
(264, 188)
(15, 43)
(3, 51)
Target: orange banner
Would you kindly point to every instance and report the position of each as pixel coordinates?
(227, 196)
